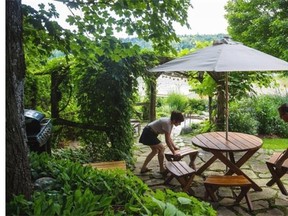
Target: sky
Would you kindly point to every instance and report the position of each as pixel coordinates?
(206, 16)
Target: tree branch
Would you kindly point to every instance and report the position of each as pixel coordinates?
(60, 121)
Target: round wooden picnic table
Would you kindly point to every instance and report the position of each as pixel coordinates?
(217, 144)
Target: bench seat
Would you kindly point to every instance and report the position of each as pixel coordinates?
(108, 165)
(182, 172)
(278, 167)
(192, 153)
(213, 182)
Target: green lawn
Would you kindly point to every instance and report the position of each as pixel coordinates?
(275, 143)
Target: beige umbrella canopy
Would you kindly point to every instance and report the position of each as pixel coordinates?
(224, 56)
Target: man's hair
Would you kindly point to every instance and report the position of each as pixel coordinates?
(177, 116)
(283, 109)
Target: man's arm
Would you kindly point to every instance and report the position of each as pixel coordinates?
(170, 143)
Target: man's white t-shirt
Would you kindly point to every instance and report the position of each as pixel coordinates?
(161, 126)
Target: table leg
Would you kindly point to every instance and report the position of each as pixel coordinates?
(232, 158)
(234, 168)
(242, 160)
(206, 165)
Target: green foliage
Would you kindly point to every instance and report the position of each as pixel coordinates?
(177, 101)
(204, 84)
(37, 93)
(106, 97)
(196, 106)
(151, 21)
(98, 147)
(266, 112)
(100, 71)
(82, 190)
(258, 115)
(74, 181)
(241, 118)
(171, 203)
(164, 111)
(174, 101)
(42, 35)
(80, 155)
(185, 44)
(243, 84)
(259, 24)
(204, 127)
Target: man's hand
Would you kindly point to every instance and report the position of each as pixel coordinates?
(177, 155)
(176, 148)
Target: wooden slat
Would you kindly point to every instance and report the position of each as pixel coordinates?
(227, 181)
(202, 142)
(108, 165)
(183, 152)
(250, 141)
(275, 157)
(236, 141)
(179, 168)
(221, 142)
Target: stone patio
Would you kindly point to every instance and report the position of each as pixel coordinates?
(269, 202)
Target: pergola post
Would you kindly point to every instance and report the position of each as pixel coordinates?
(152, 108)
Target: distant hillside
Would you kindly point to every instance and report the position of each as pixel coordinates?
(186, 41)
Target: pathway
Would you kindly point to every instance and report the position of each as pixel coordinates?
(269, 202)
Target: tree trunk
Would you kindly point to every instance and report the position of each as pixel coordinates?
(220, 118)
(153, 96)
(220, 114)
(18, 177)
(210, 109)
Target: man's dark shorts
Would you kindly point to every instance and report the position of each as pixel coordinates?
(149, 137)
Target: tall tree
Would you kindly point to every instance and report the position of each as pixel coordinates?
(262, 24)
(18, 180)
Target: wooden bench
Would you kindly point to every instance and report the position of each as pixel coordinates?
(182, 172)
(213, 182)
(278, 167)
(183, 152)
(108, 165)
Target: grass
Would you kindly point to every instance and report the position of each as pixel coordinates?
(275, 143)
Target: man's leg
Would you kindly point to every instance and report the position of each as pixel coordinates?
(149, 157)
(161, 150)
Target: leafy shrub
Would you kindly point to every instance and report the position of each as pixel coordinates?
(82, 190)
(171, 203)
(258, 115)
(164, 111)
(177, 101)
(241, 119)
(196, 106)
(80, 155)
(266, 112)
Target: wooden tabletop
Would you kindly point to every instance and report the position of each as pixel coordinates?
(236, 141)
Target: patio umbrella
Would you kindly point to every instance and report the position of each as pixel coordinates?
(225, 55)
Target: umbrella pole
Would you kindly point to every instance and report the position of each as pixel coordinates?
(227, 110)
(227, 102)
